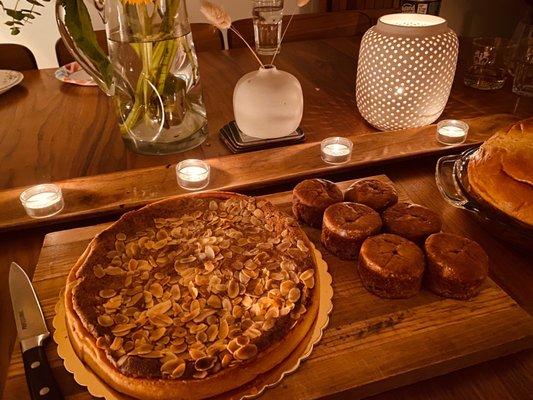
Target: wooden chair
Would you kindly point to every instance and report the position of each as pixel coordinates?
(373, 8)
(308, 27)
(16, 57)
(206, 38)
(63, 55)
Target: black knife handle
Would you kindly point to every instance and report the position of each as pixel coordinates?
(41, 381)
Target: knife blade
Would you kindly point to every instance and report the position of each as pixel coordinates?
(32, 332)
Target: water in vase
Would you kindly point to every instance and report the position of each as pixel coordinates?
(158, 93)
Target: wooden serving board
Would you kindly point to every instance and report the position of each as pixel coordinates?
(371, 344)
(99, 195)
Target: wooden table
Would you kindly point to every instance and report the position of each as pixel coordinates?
(63, 131)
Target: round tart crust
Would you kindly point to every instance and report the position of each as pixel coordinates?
(275, 342)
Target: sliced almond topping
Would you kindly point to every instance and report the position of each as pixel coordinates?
(160, 308)
(246, 352)
(233, 289)
(107, 293)
(204, 363)
(117, 344)
(157, 334)
(196, 354)
(223, 329)
(105, 320)
(98, 271)
(286, 287)
(294, 295)
(178, 371)
(114, 271)
(157, 290)
(169, 366)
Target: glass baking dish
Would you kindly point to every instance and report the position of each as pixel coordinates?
(451, 176)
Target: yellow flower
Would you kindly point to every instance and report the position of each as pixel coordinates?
(137, 2)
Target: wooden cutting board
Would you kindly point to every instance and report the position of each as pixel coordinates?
(371, 344)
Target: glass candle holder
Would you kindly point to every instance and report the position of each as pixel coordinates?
(336, 150)
(42, 201)
(451, 131)
(193, 174)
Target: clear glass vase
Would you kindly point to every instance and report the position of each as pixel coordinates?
(151, 71)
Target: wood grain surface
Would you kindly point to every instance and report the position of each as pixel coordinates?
(505, 378)
(53, 131)
(63, 131)
(116, 192)
(371, 344)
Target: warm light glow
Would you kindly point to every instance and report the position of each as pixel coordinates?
(336, 149)
(193, 174)
(411, 20)
(452, 131)
(41, 200)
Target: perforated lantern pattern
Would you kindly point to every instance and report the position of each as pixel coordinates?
(405, 72)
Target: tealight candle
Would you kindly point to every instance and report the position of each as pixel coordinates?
(451, 131)
(42, 201)
(336, 150)
(193, 174)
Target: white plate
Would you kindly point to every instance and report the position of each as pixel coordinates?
(74, 73)
(8, 79)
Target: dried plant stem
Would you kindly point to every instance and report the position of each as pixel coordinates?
(246, 43)
(281, 40)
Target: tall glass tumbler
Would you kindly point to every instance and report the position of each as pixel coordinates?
(268, 18)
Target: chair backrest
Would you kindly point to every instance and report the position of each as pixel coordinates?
(16, 57)
(308, 27)
(206, 38)
(63, 55)
(373, 8)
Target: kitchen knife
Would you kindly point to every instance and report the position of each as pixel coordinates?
(32, 333)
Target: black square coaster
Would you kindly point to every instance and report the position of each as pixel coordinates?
(238, 142)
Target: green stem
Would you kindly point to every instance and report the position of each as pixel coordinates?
(156, 60)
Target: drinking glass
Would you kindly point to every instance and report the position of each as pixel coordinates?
(488, 69)
(267, 17)
(521, 67)
(523, 78)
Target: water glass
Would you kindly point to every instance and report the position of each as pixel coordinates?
(523, 78)
(523, 65)
(488, 68)
(267, 17)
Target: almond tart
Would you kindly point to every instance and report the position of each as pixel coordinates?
(192, 297)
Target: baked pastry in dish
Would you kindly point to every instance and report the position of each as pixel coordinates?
(456, 266)
(411, 221)
(500, 172)
(311, 197)
(373, 193)
(192, 297)
(391, 266)
(345, 227)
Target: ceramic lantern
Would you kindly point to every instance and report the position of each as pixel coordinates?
(405, 70)
(268, 103)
